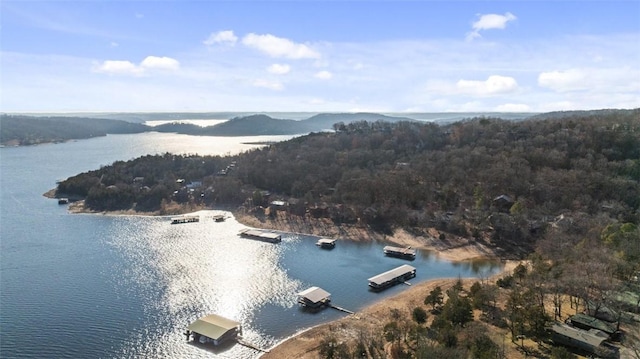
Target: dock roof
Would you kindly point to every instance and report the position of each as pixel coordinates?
(260, 234)
(314, 294)
(391, 274)
(326, 241)
(400, 250)
(213, 326)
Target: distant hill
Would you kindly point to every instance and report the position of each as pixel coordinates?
(19, 130)
(255, 125)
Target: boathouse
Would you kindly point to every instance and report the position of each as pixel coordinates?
(185, 219)
(215, 329)
(261, 235)
(400, 252)
(314, 297)
(326, 243)
(391, 277)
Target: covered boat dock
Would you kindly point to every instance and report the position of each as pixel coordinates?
(326, 243)
(214, 328)
(314, 297)
(185, 219)
(266, 236)
(391, 277)
(400, 252)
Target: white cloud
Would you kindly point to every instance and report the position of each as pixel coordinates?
(324, 75)
(513, 107)
(561, 81)
(495, 84)
(279, 69)
(279, 47)
(160, 63)
(114, 44)
(150, 63)
(488, 22)
(221, 37)
(272, 85)
(117, 67)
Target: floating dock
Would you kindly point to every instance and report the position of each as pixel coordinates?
(213, 329)
(314, 297)
(400, 252)
(185, 219)
(326, 243)
(266, 236)
(392, 277)
(219, 218)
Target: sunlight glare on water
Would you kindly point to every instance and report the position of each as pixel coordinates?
(191, 270)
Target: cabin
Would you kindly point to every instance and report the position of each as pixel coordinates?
(266, 236)
(400, 252)
(314, 297)
(392, 277)
(592, 341)
(326, 243)
(213, 329)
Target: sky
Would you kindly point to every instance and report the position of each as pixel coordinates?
(319, 56)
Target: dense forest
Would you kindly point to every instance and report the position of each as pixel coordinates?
(562, 191)
(499, 181)
(19, 130)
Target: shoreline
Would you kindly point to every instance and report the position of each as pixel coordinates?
(305, 343)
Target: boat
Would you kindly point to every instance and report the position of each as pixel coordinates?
(185, 219)
(63, 200)
(326, 243)
(400, 252)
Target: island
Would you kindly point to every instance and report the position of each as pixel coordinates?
(556, 197)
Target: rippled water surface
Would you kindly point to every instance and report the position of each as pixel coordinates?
(94, 286)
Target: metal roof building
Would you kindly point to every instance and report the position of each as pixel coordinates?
(216, 328)
(396, 275)
(314, 297)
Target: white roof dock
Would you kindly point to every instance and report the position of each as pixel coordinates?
(314, 294)
(262, 235)
(213, 326)
(395, 275)
(399, 251)
(326, 242)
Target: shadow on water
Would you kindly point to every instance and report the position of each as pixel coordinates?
(214, 349)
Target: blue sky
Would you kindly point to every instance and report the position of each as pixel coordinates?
(319, 56)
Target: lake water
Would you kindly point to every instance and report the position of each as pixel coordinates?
(94, 286)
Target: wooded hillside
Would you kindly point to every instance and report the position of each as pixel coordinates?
(491, 179)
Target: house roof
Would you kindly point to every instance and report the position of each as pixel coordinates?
(592, 322)
(314, 294)
(587, 337)
(213, 326)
